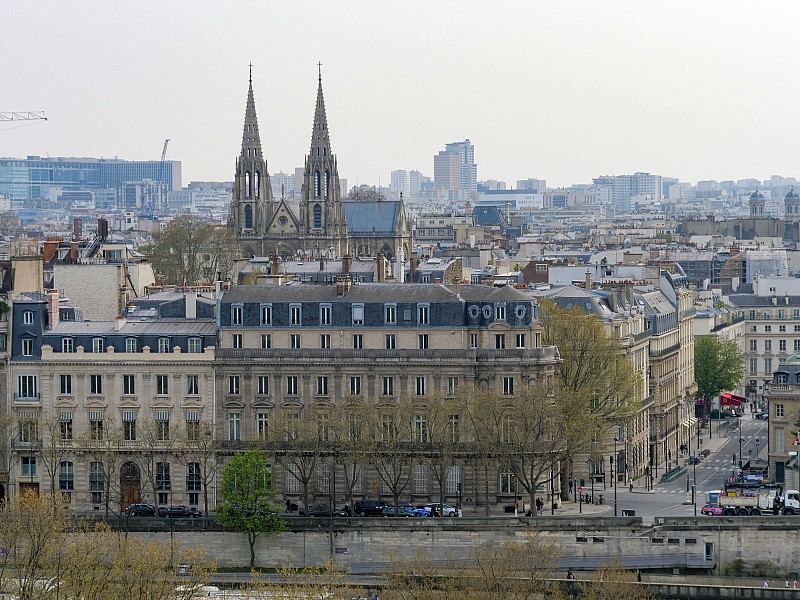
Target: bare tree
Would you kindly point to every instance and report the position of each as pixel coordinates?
(103, 446)
(203, 449)
(389, 438)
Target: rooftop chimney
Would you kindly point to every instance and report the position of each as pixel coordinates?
(343, 284)
(588, 285)
(49, 249)
(276, 264)
(347, 262)
(321, 262)
(53, 314)
(191, 305)
(380, 267)
(120, 323)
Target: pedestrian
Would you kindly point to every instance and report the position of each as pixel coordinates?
(288, 505)
(766, 583)
(570, 575)
(786, 583)
(639, 576)
(794, 584)
(630, 484)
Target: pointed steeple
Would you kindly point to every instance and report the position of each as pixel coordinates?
(320, 142)
(250, 138)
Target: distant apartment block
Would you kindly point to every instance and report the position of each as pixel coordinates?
(454, 169)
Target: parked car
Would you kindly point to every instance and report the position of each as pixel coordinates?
(179, 512)
(140, 510)
(711, 510)
(442, 509)
(369, 508)
(404, 510)
(762, 416)
(316, 510)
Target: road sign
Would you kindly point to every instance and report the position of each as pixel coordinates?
(580, 490)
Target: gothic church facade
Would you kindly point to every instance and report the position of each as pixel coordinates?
(321, 223)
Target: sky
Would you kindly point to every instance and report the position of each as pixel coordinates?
(564, 90)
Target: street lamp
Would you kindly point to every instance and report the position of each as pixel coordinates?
(614, 479)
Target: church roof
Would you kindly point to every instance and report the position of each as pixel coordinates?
(372, 216)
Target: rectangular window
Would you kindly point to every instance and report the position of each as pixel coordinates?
(236, 340)
(780, 440)
(767, 345)
(766, 314)
(266, 341)
(473, 340)
(295, 315)
(499, 341)
(163, 345)
(420, 428)
(391, 341)
(795, 313)
(195, 345)
(294, 341)
(453, 481)
(129, 426)
(779, 410)
(355, 385)
(67, 345)
(266, 314)
(796, 344)
(358, 341)
(27, 346)
(390, 314)
(388, 386)
(499, 312)
(358, 314)
(97, 481)
(781, 314)
(754, 365)
(234, 421)
(507, 480)
(452, 386)
(194, 480)
(192, 385)
(28, 427)
(423, 314)
(162, 385)
(95, 425)
(65, 425)
(236, 315)
(520, 340)
(422, 341)
(325, 314)
(66, 385)
(753, 345)
(421, 385)
(322, 386)
(508, 386)
(131, 345)
(162, 426)
(419, 479)
(96, 384)
(263, 385)
(455, 428)
(128, 385)
(325, 341)
(27, 317)
(768, 365)
(262, 425)
(767, 328)
(28, 466)
(163, 479)
(781, 345)
(27, 388)
(193, 426)
(291, 385)
(782, 329)
(233, 385)
(97, 345)
(292, 484)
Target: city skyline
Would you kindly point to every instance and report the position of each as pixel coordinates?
(562, 93)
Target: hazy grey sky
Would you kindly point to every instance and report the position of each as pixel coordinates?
(562, 90)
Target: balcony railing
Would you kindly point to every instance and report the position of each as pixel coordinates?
(779, 387)
(26, 398)
(665, 351)
(548, 353)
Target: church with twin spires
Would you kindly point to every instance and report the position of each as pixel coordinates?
(321, 224)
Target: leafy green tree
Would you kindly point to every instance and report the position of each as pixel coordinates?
(718, 367)
(247, 494)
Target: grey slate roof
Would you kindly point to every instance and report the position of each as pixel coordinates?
(372, 292)
(159, 327)
(366, 216)
(747, 300)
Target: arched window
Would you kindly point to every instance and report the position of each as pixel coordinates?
(327, 184)
(248, 217)
(317, 216)
(258, 182)
(316, 184)
(248, 185)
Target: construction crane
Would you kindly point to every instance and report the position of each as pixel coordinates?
(149, 207)
(23, 116)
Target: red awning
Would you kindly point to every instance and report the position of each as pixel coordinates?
(727, 399)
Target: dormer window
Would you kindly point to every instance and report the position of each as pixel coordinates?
(781, 378)
(27, 317)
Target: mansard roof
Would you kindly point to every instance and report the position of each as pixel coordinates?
(372, 216)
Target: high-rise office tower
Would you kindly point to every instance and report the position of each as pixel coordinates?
(454, 168)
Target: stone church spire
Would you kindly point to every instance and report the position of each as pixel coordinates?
(251, 200)
(321, 213)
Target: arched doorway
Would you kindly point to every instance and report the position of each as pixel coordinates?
(130, 484)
